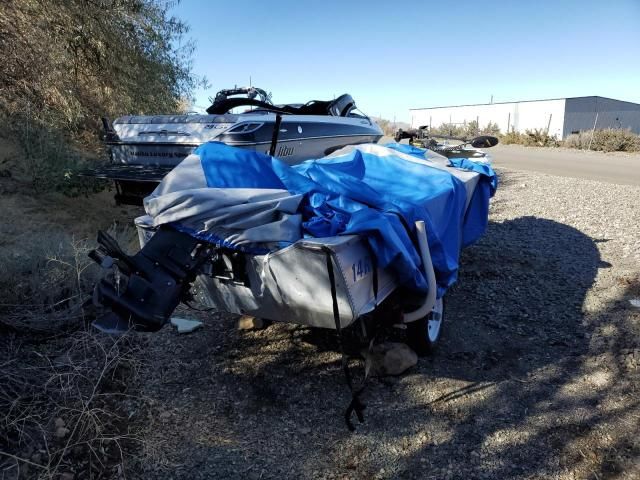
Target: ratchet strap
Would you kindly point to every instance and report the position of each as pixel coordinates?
(356, 404)
(274, 136)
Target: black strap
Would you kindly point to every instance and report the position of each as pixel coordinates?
(374, 272)
(274, 137)
(356, 404)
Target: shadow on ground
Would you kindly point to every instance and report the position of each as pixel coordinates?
(524, 385)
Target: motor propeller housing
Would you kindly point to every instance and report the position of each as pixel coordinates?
(141, 292)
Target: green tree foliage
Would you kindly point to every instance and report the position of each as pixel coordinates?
(67, 62)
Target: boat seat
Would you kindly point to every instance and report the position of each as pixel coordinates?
(341, 106)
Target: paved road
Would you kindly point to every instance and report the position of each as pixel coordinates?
(607, 167)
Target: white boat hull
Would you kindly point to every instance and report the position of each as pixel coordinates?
(166, 140)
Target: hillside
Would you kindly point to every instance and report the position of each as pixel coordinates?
(66, 63)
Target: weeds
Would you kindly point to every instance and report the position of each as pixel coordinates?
(46, 284)
(491, 129)
(511, 138)
(466, 130)
(67, 410)
(537, 137)
(65, 404)
(605, 140)
(46, 159)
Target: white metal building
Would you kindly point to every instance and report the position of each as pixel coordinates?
(560, 116)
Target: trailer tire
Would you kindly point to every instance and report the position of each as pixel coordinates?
(423, 334)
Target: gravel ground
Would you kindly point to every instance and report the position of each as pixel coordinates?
(536, 376)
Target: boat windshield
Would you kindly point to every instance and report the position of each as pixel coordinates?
(354, 112)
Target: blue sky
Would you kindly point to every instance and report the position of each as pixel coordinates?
(392, 56)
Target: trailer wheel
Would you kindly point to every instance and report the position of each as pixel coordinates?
(423, 334)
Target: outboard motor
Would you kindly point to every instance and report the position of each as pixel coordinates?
(401, 134)
(141, 292)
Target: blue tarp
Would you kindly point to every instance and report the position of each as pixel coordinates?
(461, 163)
(377, 196)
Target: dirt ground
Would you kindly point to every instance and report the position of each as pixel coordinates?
(536, 376)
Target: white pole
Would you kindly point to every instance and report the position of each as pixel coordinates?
(593, 131)
(427, 265)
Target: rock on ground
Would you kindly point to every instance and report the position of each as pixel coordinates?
(390, 358)
(246, 322)
(184, 325)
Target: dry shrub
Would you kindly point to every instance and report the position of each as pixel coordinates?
(579, 140)
(48, 280)
(491, 129)
(537, 137)
(450, 129)
(512, 138)
(541, 138)
(66, 406)
(65, 399)
(467, 130)
(472, 129)
(387, 126)
(46, 159)
(605, 140)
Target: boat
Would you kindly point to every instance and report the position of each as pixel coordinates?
(367, 237)
(144, 148)
(463, 148)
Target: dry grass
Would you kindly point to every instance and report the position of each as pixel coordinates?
(605, 140)
(467, 130)
(47, 284)
(47, 276)
(66, 405)
(531, 138)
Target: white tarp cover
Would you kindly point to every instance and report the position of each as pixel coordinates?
(231, 216)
